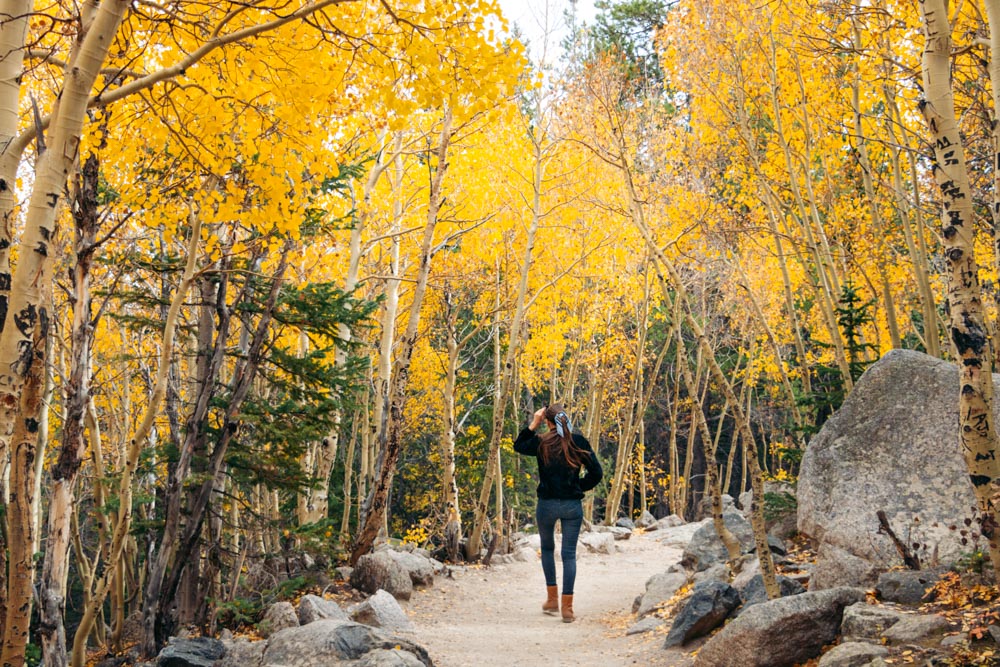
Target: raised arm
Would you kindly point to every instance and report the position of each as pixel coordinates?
(527, 440)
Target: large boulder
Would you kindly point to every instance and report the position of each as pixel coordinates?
(379, 570)
(710, 604)
(326, 642)
(805, 623)
(419, 568)
(893, 446)
(706, 549)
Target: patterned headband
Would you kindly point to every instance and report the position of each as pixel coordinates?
(561, 419)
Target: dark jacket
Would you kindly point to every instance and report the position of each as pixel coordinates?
(557, 479)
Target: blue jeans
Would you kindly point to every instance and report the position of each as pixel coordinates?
(570, 513)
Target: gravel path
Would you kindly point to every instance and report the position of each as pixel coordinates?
(492, 617)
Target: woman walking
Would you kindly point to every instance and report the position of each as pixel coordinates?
(561, 456)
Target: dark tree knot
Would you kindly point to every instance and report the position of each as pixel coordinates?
(979, 480)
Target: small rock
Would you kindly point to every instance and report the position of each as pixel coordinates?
(671, 521)
(678, 536)
(383, 657)
(381, 610)
(242, 653)
(659, 589)
(914, 629)
(755, 593)
(279, 616)
(709, 606)
(419, 568)
(645, 625)
(745, 499)
(852, 654)
(905, 586)
(314, 608)
(625, 522)
(705, 506)
(718, 572)
(344, 572)
(749, 568)
(380, 570)
(706, 549)
(955, 640)
(525, 555)
(777, 545)
(646, 521)
(994, 632)
(603, 543)
(620, 533)
(195, 652)
(113, 662)
(803, 577)
(865, 621)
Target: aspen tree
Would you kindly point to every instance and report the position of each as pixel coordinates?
(969, 331)
(390, 437)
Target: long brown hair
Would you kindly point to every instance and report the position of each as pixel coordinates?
(561, 446)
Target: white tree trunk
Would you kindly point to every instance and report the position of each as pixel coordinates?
(969, 332)
(391, 436)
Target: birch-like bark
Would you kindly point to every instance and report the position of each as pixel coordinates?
(392, 436)
(968, 328)
(13, 33)
(993, 18)
(21, 566)
(52, 592)
(27, 314)
(390, 310)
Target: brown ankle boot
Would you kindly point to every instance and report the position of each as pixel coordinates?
(567, 609)
(551, 605)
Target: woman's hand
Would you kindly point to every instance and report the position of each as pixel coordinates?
(537, 418)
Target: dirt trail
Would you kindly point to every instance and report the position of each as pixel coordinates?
(492, 617)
